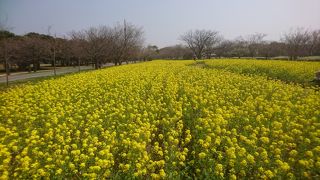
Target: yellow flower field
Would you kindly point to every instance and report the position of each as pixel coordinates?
(288, 71)
(160, 120)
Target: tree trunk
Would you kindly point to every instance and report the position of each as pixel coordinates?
(199, 56)
(34, 65)
(79, 64)
(38, 62)
(38, 65)
(96, 64)
(6, 66)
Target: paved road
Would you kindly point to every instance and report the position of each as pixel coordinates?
(44, 73)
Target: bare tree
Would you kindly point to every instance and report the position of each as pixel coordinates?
(97, 41)
(133, 41)
(211, 46)
(79, 45)
(6, 46)
(68, 51)
(224, 48)
(240, 47)
(5, 42)
(94, 43)
(34, 48)
(199, 41)
(297, 42)
(126, 42)
(314, 43)
(7, 52)
(255, 42)
(53, 49)
(117, 44)
(76, 52)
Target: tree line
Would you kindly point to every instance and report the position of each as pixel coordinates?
(199, 44)
(93, 46)
(299, 42)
